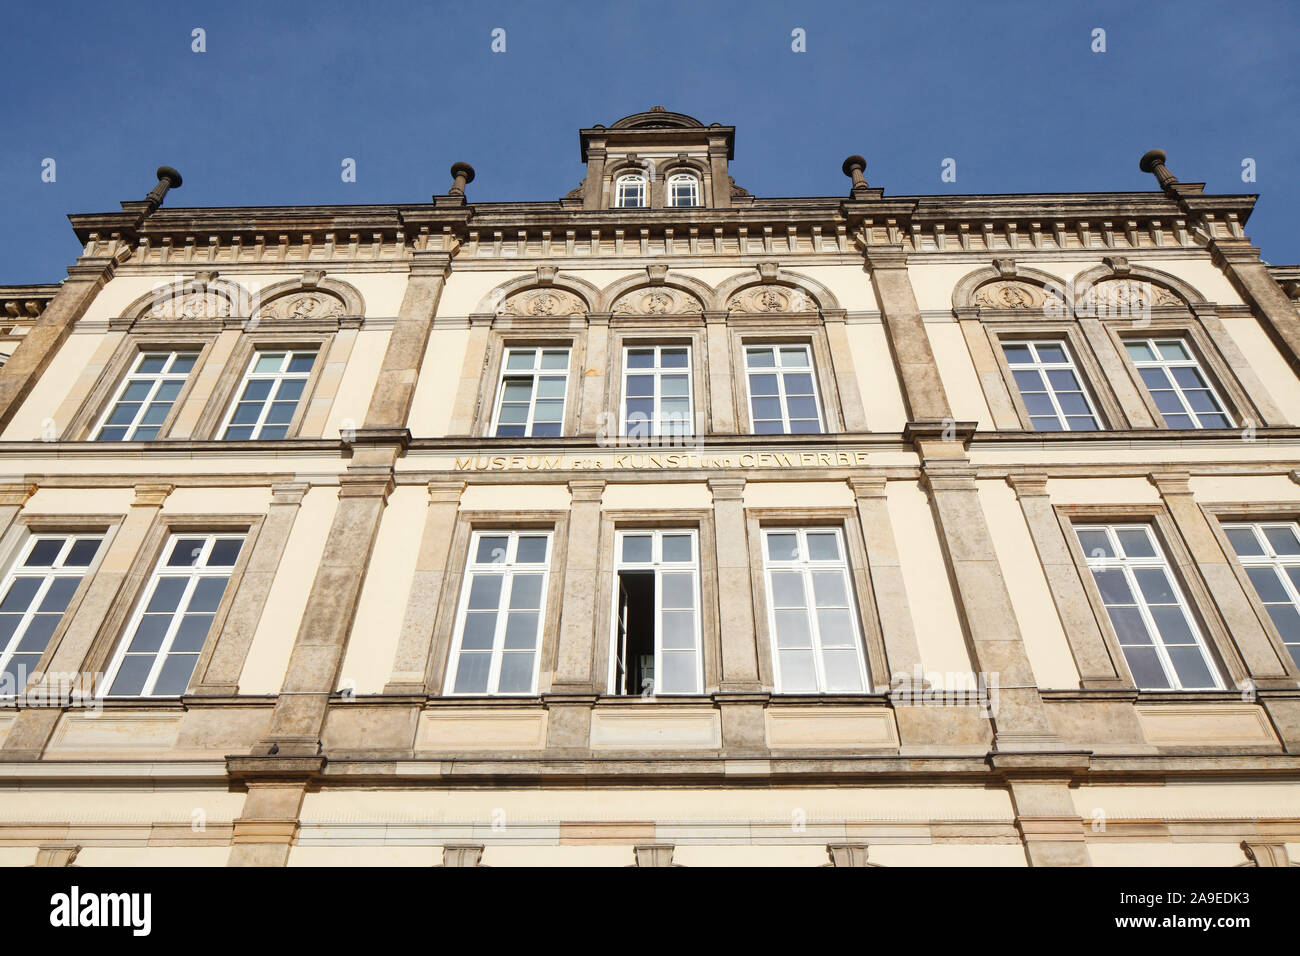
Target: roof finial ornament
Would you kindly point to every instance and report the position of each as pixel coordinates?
(854, 167)
(168, 178)
(1154, 162)
(657, 109)
(462, 175)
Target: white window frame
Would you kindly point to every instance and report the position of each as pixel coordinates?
(621, 190)
(507, 569)
(1127, 566)
(779, 371)
(536, 373)
(1271, 559)
(47, 573)
(1042, 366)
(659, 567)
(695, 190)
(157, 379)
(1152, 342)
(163, 570)
(806, 566)
(659, 371)
(278, 378)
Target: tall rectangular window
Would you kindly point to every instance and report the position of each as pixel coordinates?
(1161, 642)
(36, 592)
(657, 622)
(657, 391)
(156, 658)
(146, 396)
(530, 398)
(814, 626)
(1270, 553)
(269, 394)
(782, 393)
(1050, 386)
(502, 610)
(1177, 384)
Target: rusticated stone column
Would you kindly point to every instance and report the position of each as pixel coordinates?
(909, 344)
(411, 663)
(220, 674)
(1049, 824)
(1092, 658)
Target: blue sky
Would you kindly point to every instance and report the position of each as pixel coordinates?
(285, 91)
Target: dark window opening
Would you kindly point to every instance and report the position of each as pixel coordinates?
(634, 665)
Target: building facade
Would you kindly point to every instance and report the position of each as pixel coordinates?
(660, 524)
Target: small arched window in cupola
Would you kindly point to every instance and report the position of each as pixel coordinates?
(630, 191)
(683, 190)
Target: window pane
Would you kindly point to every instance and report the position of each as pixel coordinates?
(636, 548)
(1282, 540)
(677, 547)
(783, 547)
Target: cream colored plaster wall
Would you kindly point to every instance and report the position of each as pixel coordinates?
(380, 291)
(962, 385)
(464, 290)
(17, 855)
(559, 856)
(153, 856)
(1228, 489)
(933, 282)
(515, 497)
(217, 501)
(1145, 456)
(64, 501)
(119, 806)
(134, 465)
(708, 805)
(798, 494)
(358, 384)
(1103, 491)
(1040, 625)
(300, 855)
(1116, 853)
(435, 391)
(705, 855)
(636, 496)
(1200, 273)
(1262, 355)
(939, 635)
(1190, 800)
(51, 388)
(268, 656)
(882, 395)
(368, 662)
(947, 854)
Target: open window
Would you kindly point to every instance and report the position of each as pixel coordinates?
(657, 620)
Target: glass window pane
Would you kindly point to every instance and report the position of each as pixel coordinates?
(44, 553)
(1136, 542)
(1282, 539)
(491, 549)
(842, 672)
(485, 591)
(788, 589)
(516, 673)
(678, 590)
(531, 549)
(526, 592)
(521, 630)
(1267, 585)
(472, 673)
(829, 590)
(792, 628)
(823, 546)
(678, 673)
(783, 547)
(678, 629)
(677, 547)
(636, 548)
(1113, 587)
(1145, 666)
(1244, 542)
(798, 675)
(1017, 354)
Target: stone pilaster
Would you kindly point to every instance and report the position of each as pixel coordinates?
(300, 709)
(1264, 663)
(1249, 275)
(38, 347)
(1049, 824)
(1116, 373)
(411, 663)
(844, 372)
(471, 376)
(735, 593)
(923, 392)
(721, 404)
(12, 499)
(267, 828)
(896, 626)
(992, 629)
(593, 377)
(220, 674)
(390, 403)
(1092, 658)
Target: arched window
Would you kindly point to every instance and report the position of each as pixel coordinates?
(629, 191)
(683, 190)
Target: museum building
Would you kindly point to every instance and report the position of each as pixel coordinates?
(658, 524)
